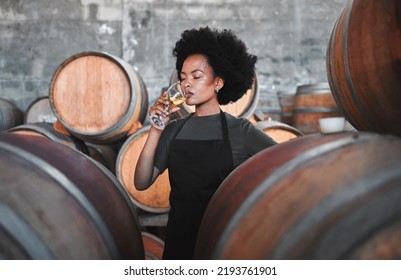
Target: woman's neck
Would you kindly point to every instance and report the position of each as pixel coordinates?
(211, 107)
(202, 110)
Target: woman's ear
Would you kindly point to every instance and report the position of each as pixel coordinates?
(219, 83)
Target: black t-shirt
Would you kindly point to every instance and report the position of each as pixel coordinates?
(246, 139)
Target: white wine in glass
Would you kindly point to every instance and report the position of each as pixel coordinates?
(175, 98)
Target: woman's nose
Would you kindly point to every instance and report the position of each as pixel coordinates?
(186, 86)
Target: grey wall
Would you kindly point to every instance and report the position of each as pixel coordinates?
(290, 38)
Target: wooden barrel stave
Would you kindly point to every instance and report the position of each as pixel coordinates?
(384, 245)
(17, 238)
(81, 196)
(258, 207)
(350, 214)
(153, 245)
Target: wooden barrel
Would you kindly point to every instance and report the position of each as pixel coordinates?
(286, 101)
(280, 132)
(155, 199)
(243, 107)
(315, 197)
(153, 245)
(40, 111)
(10, 115)
(57, 203)
(312, 102)
(98, 97)
(47, 130)
(363, 65)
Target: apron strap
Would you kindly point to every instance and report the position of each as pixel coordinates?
(224, 127)
(182, 124)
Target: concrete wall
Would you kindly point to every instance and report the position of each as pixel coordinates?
(290, 38)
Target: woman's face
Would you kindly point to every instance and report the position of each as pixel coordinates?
(198, 80)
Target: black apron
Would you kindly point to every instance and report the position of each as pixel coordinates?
(196, 170)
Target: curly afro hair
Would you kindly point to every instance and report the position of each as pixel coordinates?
(226, 54)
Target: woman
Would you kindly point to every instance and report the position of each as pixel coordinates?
(201, 149)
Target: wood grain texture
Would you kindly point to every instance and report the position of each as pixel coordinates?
(72, 204)
(155, 199)
(97, 96)
(314, 197)
(364, 65)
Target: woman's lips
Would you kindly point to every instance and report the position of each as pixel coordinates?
(188, 94)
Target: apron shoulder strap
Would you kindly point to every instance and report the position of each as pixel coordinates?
(180, 126)
(224, 126)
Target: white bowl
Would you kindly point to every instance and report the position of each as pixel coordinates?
(331, 125)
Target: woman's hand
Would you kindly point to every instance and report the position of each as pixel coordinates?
(162, 108)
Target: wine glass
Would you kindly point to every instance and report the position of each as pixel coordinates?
(175, 97)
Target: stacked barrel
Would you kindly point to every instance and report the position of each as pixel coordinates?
(57, 203)
(97, 97)
(314, 197)
(363, 65)
(64, 195)
(307, 105)
(325, 196)
(60, 198)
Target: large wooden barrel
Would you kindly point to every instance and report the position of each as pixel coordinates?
(45, 129)
(363, 65)
(243, 107)
(315, 197)
(10, 115)
(153, 245)
(98, 97)
(280, 132)
(57, 203)
(40, 111)
(155, 199)
(312, 102)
